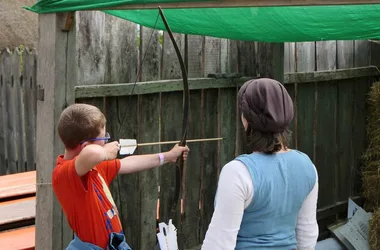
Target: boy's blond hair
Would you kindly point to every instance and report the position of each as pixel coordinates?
(80, 122)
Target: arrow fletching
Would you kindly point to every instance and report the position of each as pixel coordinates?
(167, 237)
(127, 146)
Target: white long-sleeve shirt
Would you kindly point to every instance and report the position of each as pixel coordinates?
(235, 193)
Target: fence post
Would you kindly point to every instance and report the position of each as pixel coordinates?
(55, 78)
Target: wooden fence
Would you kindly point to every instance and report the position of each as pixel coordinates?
(329, 122)
(18, 91)
(329, 126)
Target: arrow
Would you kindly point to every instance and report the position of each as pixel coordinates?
(128, 146)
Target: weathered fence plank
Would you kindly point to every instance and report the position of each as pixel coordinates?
(19, 103)
(30, 107)
(196, 61)
(246, 59)
(149, 130)
(305, 57)
(211, 56)
(325, 55)
(374, 53)
(90, 38)
(306, 118)
(121, 50)
(359, 139)
(150, 54)
(193, 174)
(345, 125)
(210, 157)
(345, 54)
(228, 117)
(195, 56)
(3, 117)
(325, 143)
(289, 57)
(171, 129)
(170, 65)
(10, 113)
(325, 125)
(345, 145)
(269, 60)
(362, 53)
(293, 128)
(233, 57)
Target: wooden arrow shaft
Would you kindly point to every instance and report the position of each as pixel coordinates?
(172, 142)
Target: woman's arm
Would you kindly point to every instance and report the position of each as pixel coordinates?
(307, 226)
(235, 192)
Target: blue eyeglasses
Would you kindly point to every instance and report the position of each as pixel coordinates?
(105, 139)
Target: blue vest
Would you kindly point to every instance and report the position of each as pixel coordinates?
(281, 183)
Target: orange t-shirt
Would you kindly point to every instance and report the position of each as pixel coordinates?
(87, 201)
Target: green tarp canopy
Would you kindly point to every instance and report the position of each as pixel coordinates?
(267, 24)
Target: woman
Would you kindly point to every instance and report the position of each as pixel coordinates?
(266, 199)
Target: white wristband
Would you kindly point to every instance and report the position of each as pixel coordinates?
(162, 158)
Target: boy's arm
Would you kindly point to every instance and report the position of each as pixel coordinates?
(93, 154)
(137, 163)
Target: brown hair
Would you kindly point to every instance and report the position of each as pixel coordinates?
(268, 110)
(267, 142)
(79, 122)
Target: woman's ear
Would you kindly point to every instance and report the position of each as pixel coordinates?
(244, 121)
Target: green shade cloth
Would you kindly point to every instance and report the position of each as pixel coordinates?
(267, 24)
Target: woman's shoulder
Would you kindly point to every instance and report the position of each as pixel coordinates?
(234, 167)
(300, 153)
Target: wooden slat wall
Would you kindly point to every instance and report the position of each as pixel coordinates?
(330, 125)
(17, 111)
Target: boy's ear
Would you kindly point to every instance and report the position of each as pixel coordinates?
(81, 146)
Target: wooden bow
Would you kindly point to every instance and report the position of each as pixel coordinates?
(186, 102)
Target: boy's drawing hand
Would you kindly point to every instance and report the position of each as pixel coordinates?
(177, 151)
(111, 149)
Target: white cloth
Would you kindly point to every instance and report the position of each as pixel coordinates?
(235, 193)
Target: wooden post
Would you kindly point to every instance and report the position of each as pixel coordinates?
(56, 76)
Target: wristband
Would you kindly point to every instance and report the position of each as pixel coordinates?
(162, 158)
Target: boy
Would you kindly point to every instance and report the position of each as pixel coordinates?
(83, 173)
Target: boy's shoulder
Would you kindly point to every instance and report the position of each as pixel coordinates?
(61, 162)
(63, 170)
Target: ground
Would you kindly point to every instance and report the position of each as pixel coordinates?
(18, 26)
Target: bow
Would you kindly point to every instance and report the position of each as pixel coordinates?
(186, 95)
(186, 101)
